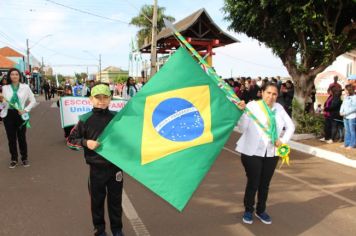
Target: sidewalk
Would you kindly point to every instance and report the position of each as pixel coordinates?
(333, 152)
(337, 147)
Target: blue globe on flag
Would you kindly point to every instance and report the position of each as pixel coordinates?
(178, 120)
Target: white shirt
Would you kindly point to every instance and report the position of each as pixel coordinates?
(24, 94)
(126, 95)
(348, 107)
(254, 142)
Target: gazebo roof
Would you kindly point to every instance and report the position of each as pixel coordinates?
(197, 26)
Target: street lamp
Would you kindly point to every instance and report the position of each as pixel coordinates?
(28, 49)
(86, 51)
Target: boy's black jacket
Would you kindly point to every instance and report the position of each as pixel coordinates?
(89, 127)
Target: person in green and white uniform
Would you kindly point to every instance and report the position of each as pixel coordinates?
(17, 100)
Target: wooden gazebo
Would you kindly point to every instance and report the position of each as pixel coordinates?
(199, 30)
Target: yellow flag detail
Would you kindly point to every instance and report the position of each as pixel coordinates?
(174, 121)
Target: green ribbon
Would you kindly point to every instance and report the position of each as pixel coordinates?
(272, 129)
(14, 101)
(15, 104)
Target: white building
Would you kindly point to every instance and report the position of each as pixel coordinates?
(343, 66)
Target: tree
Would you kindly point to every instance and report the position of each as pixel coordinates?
(51, 78)
(143, 21)
(60, 78)
(80, 77)
(121, 79)
(306, 35)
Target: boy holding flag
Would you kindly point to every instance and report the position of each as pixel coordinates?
(105, 178)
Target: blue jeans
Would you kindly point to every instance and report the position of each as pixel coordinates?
(350, 132)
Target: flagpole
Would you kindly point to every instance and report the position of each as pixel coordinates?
(211, 72)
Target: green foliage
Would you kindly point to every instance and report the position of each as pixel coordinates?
(307, 123)
(60, 78)
(145, 24)
(51, 78)
(318, 30)
(81, 76)
(121, 79)
(307, 35)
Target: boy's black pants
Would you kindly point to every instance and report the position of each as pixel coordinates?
(67, 131)
(15, 131)
(106, 180)
(259, 172)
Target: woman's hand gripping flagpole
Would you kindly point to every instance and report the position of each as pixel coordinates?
(283, 149)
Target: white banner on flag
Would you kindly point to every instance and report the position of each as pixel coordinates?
(72, 107)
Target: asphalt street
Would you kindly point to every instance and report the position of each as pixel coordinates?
(311, 197)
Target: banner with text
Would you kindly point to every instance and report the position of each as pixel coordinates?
(72, 107)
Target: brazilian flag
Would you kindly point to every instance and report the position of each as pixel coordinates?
(169, 134)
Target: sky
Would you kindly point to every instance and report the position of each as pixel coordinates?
(70, 41)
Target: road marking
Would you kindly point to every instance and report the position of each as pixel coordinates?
(343, 185)
(131, 214)
(306, 183)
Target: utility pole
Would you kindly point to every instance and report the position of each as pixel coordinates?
(42, 64)
(28, 56)
(100, 66)
(154, 41)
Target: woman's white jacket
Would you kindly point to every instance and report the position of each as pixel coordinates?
(25, 95)
(254, 142)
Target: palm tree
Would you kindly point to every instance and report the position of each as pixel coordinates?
(145, 25)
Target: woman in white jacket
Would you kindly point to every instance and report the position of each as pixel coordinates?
(259, 151)
(14, 98)
(130, 89)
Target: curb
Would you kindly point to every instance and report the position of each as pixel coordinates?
(327, 155)
(321, 153)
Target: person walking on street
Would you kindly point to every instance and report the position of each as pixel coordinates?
(105, 179)
(3, 82)
(130, 89)
(259, 151)
(348, 111)
(47, 90)
(14, 97)
(53, 90)
(67, 92)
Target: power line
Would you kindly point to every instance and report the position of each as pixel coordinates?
(10, 39)
(87, 12)
(71, 21)
(249, 62)
(9, 44)
(66, 55)
(137, 9)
